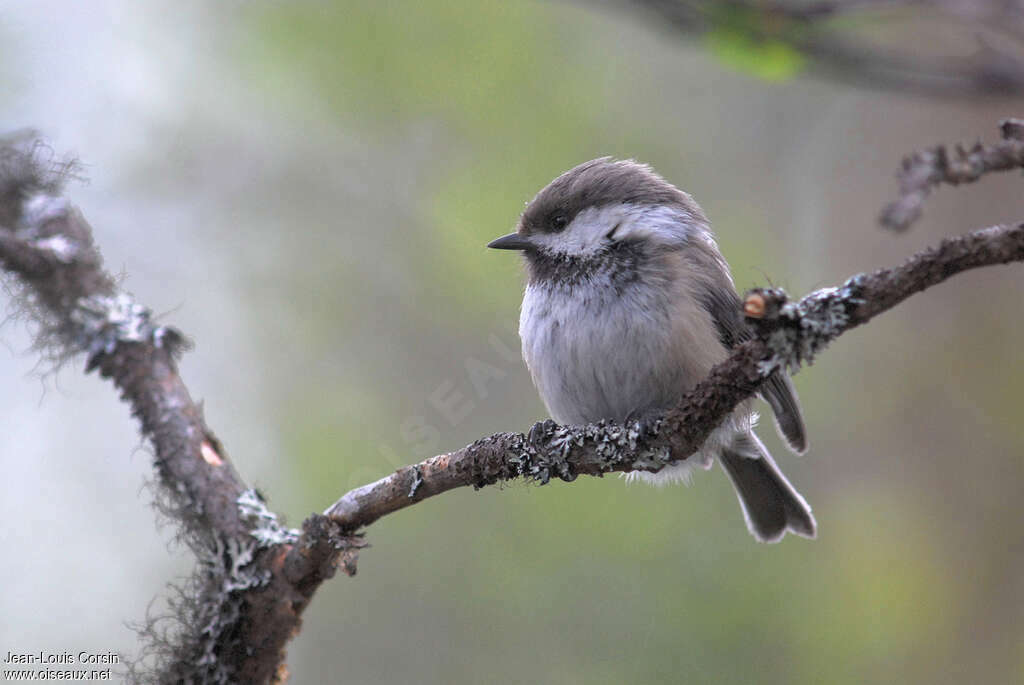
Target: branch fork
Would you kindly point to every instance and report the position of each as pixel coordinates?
(254, 576)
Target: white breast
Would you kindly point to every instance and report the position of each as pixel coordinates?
(604, 353)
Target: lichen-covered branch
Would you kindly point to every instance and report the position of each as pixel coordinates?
(254, 577)
(924, 171)
(48, 245)
(788, 334)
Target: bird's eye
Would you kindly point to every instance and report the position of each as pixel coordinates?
(559, 222)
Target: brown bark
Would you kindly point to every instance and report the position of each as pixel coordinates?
(254, 577)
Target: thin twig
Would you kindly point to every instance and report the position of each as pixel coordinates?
(922, 172)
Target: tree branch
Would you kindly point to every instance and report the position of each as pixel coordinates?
(47, 243)
(254, 578)
(789, 334)
(240, 596)
(924, 171)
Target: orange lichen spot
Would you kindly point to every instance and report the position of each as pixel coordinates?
(210, 454)
(754, 306)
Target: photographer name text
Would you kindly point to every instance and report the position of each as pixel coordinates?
(40, 658)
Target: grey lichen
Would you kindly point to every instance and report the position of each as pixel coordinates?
(40, 209)
(544, 452)
(228, 571)
(805, 327)
(61, 247)
(28, 167)
(549, 448)
(264, 525)
(239, 555)
(185, 643)
(103, 321)
(417, 481)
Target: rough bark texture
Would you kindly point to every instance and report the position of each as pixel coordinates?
(254, 577)
(790, 333)
(232, 604)
(922, 172)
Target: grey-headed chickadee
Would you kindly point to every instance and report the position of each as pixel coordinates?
(628, 305)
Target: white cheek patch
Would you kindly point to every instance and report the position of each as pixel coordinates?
(660, 225)
(596, 227)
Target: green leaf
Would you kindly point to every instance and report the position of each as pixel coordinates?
(768, 59)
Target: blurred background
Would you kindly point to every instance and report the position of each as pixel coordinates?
(306, 190)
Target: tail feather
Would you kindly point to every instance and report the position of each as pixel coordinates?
(771, 506)
(781, 395)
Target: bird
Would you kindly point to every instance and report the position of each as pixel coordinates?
(628, 304)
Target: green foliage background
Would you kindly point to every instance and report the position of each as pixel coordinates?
(333, 171)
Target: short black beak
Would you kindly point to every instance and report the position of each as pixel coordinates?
(512, 241)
